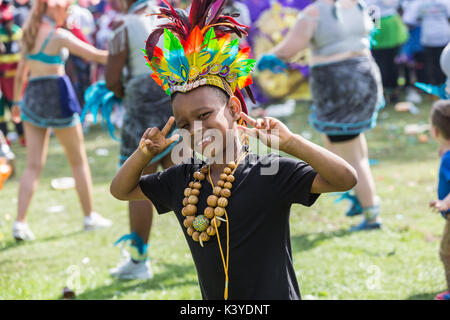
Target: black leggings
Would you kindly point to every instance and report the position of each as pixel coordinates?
(385, 58)
(342, 138)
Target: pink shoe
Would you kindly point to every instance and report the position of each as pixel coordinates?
(443, 296)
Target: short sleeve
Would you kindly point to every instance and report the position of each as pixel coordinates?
(445, 167)
(160, 188)
(295, 179)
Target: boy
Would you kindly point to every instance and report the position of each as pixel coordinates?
(440, 122)
(254, 207)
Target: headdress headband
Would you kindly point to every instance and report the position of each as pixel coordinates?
(198, 50)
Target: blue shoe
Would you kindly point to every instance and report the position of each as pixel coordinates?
(365, 226)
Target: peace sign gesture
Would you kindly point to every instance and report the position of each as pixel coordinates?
(154, 141)
(269, 130)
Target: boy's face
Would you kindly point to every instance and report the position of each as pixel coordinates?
(208, 117)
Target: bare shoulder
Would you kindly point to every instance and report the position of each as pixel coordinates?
(311, 11)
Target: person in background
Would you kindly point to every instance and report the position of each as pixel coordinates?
(433, 18)
(21, 11)
(440, 129)
(10, 36)
(146, 104)
(346, 88)
(391, 33)
(49, 101)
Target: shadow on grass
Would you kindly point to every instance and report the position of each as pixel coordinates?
(13, 243)
(309, 241)
(174, 275)
(423, 296)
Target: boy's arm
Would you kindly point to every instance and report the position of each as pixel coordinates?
(333, 173)
(125, 185)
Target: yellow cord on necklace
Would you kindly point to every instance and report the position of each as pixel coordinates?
(225, 264)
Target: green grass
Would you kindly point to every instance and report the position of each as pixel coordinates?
(399, 262)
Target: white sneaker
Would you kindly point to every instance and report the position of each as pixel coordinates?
(96, 221)
(21, 232)
(413, 96)
(130, 270)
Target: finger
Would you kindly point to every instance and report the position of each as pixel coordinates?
(165, 131)
(267, 122)
(248, 119)
(260, 123)
(144, 136)
(152, 133)
(249, 131)
(174, 138)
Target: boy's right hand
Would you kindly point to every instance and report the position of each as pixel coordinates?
(154, 141)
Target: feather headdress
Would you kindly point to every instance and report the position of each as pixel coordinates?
(199, 50)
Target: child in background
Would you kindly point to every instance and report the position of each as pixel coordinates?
(432, 16)
(440, 122)
(10, 36)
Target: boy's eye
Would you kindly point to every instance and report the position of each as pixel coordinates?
(204, 115)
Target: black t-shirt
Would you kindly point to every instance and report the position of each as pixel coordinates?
(260, 257)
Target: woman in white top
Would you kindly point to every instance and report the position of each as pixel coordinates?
(345, 84)
(50, 102)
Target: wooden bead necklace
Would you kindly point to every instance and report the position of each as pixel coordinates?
(202, 227)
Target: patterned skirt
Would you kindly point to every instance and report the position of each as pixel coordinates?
(50, 101)
(146, 106)
(347, 96)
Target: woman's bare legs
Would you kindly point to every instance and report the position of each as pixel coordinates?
(73, 142)
(356, 153)
(37, 146)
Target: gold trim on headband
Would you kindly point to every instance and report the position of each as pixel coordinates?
(209, 79)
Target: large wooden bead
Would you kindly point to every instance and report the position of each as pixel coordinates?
(216, 191)
(197, 185)
(222, 202)
(188, 222)
(196, 236)
(231, 165)
(195, 192)
(215, 222)
(228, 185)
(209, 212)
(227, 171)
(212, 200)
(219, 211)
(204, 236)
(204, 170)
(187, 192)
(196, 174)
(200, 223)
(201, 176)
(221, 183)
(211, 231)
(225, 193)
(190, 210)
(230, 178)
(183, 211)
(223, 177)
(185, 202)
(191, 184)
(190, 231)
(193, 199)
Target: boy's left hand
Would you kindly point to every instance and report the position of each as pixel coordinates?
(270, 131)
(440, 205)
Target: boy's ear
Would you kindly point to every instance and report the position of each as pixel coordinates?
(434, 132)
(235, 107)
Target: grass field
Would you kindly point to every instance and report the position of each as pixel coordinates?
(398, 262)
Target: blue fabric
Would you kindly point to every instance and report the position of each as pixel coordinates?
(43, 57)
(444, 179)
(98, 97)
(68, 98)
(271, 62)
(138, 242)
(438, 91)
